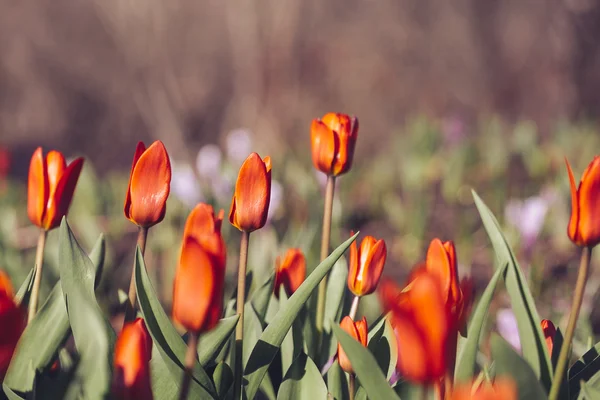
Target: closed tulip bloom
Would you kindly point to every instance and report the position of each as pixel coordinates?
(50, 187)
(549, 331)
(133, 351)
(422, 326)
(200, 275)
(149, 185)
(584, 225)
(502, 389)
(333, 139)
(12, 321)
(358, 330)
(290, 272)
(250, 203)
(366, 265)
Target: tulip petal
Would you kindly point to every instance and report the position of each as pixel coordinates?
(589, 204)
(324, 146)
(139, 150)
(438, 263)
(574, 220)
(250, 205)
(60, 200)
(150, 186)
(55, 168)
(353, 266)
(202, 221)
(37, 188)
(290, 272)
(372, 261)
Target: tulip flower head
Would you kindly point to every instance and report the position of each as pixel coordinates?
(422, 325)
(333, 139)
(366, 265)
(250, 203)
(290, 272)
(149, 185)
(133, 351)
(502, 389)
(50, 187)
(584, 225)
(12, 321)
(549, 332)
(200, 275)
(358, 330)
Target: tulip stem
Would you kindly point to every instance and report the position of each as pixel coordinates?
(354, 307)
(37, 281)
(130, 306)
(190, 359)
(352, 386)
(325, 238)
(239, 330)
(563, 358)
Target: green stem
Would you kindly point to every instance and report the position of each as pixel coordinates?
(352, 386)
(354, 307)
(190, 359)
(130, 306)
(563, 358)
(37, 281)
(239, 330)
(325, 238)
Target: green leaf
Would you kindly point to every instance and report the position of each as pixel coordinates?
(22, 296)
(508, 362)
(223, 378)
(261, 297)
(532, 338)
(266, 349)
(11, 394)
(584, 369)
(336, 289)
(365, 366)
(93, 334)
(384, 347)
(211, 343)
(97, 256)
(303, 381)
(467, 357)
(164, 386)
(165, 337)
(588, 392)
(336, 382)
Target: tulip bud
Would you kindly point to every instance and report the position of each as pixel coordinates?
(549, 331)
(358, 330)
(333, 139)
(584, 225)
(366, 265)
(12, 321)
(502, 389)
(200, 275)
(250, 203)
(50, 187)
(133, 351)
(149, 185)
(290, 272)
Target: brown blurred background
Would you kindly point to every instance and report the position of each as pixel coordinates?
(96, 76)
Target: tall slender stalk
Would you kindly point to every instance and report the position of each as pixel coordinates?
(190, 359)
(130, 306)
(37, 281)
(563, 358)
(352, 386)
(325, 238)
(239, 330)
(354, 307)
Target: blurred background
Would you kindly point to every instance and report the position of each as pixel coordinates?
(451, 96)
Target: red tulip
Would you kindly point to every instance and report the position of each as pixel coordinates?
(333, 139)
(290, 272)
(50, 187)
(549, 331)
(502, 389)
(584, 225)
(250, 203)
(366, 265)
(133, 351)
(358, 330)
(200, 275)
(149, 185)
(12, 323)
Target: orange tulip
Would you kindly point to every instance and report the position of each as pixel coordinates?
(250, 203)
(333, 139)
(358, 330)
(501, 389)
(50, 187)
(200, 275)
(149, 185)
(584, 225)
(422, 325)
(549, 331)
(366, 265)
(290, 272)
(133, 351)
(12, 320)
